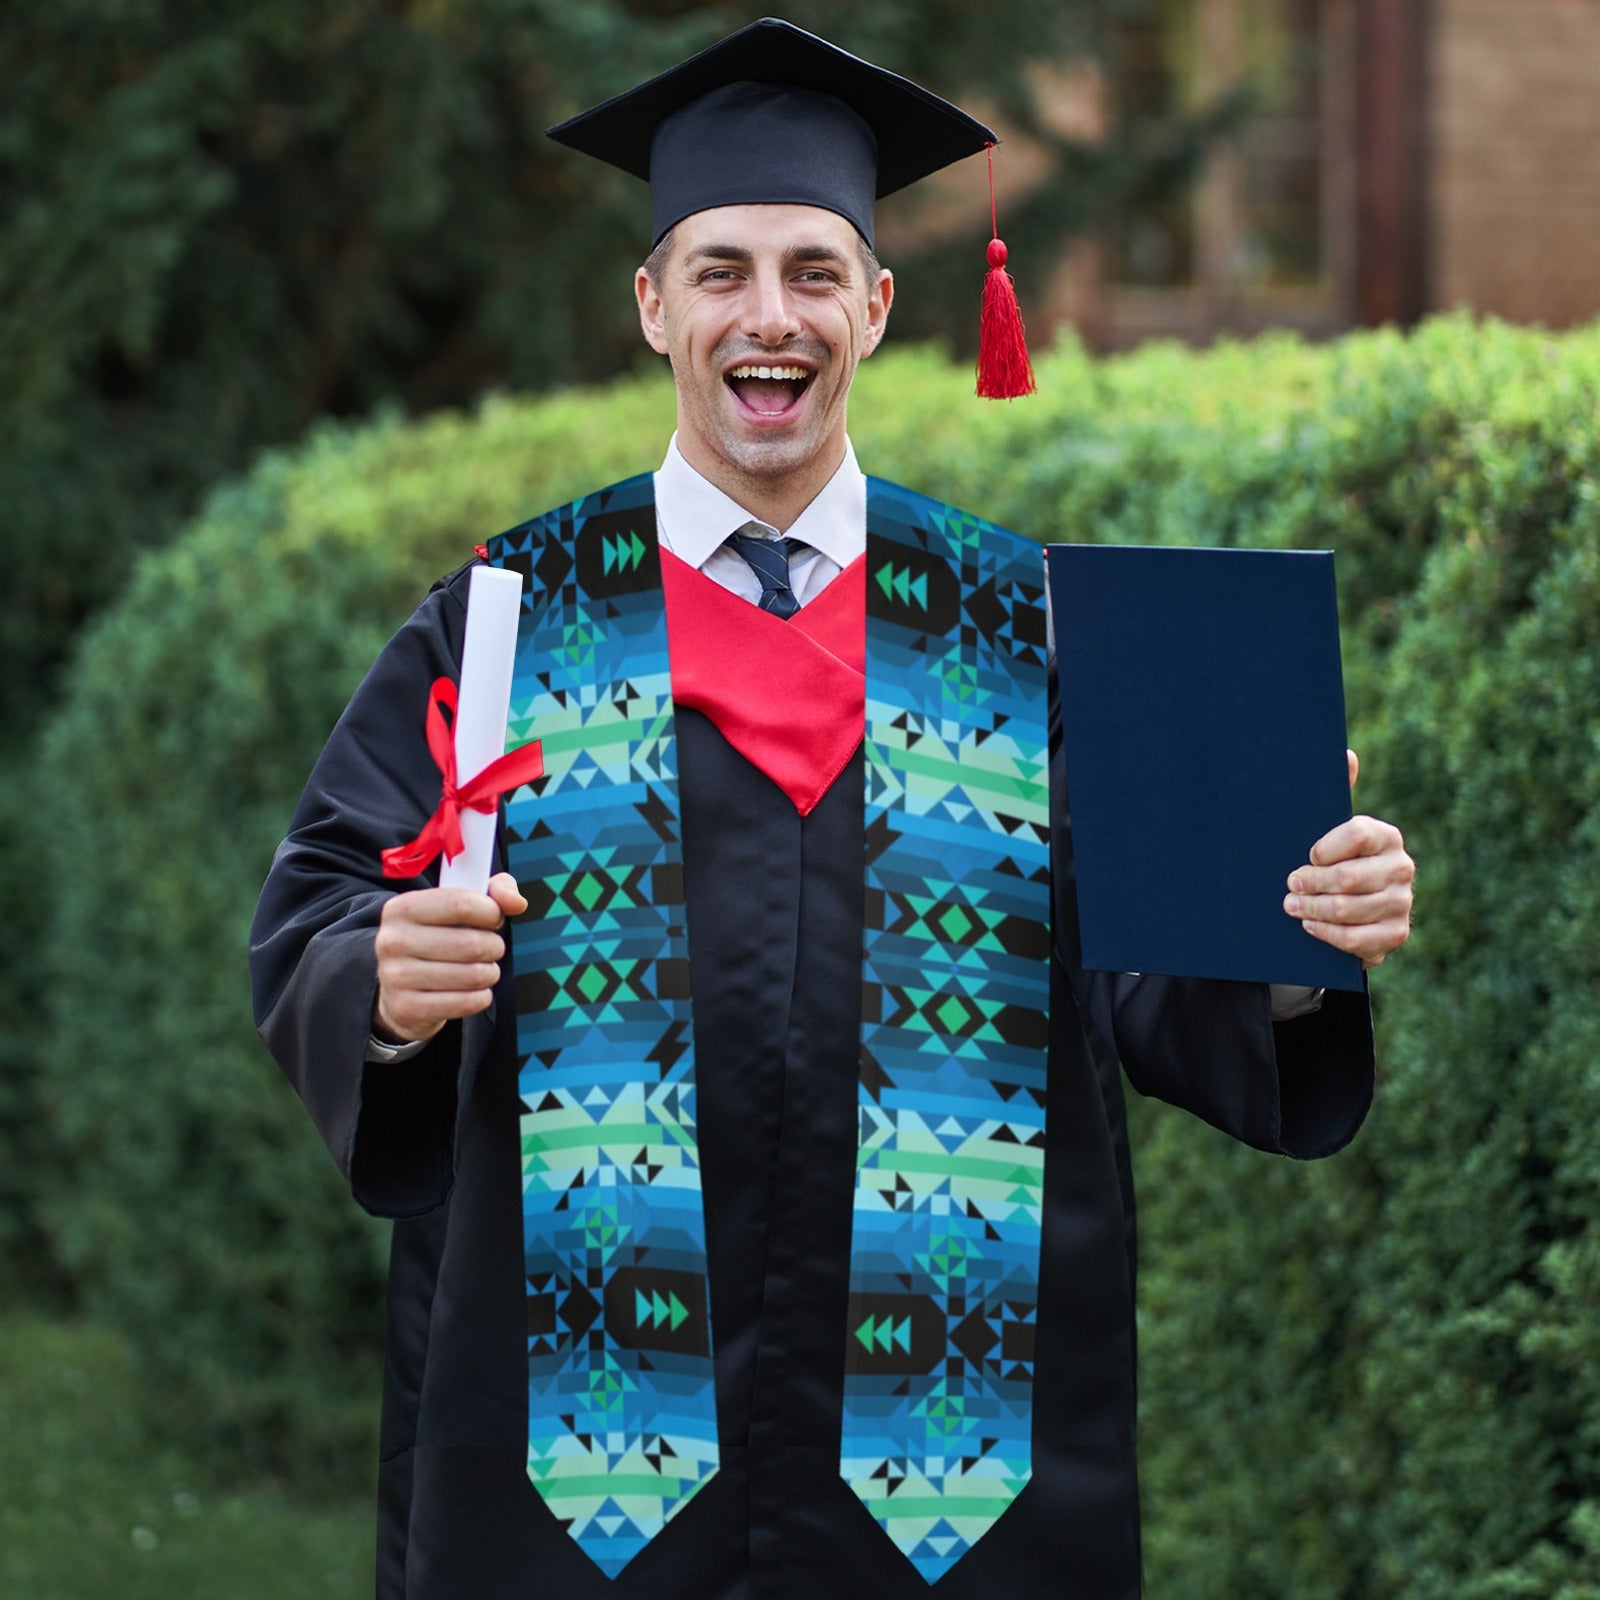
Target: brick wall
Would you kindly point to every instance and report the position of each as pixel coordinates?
(1515, 158)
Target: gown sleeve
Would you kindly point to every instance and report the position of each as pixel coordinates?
(1300, 1088)
(313, 965)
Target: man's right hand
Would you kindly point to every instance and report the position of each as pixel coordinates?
(438, 957)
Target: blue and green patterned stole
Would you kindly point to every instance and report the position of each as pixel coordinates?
(938, 1350)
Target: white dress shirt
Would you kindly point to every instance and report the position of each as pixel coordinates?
(694, 518)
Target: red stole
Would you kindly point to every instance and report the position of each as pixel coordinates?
(789, 696)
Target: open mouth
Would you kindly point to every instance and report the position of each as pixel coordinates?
(768, 391)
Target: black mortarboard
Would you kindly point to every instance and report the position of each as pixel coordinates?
(774, 115)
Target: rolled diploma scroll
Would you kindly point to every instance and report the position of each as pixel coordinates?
(494, 601)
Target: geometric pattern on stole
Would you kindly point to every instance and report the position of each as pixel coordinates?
(939, 1342)
(621, 1403)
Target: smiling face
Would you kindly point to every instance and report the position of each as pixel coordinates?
(764, 311)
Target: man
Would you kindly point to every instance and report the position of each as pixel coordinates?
(735, 1252)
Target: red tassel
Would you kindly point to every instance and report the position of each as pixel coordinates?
(1004, 370)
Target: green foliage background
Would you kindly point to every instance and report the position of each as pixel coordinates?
(93, 1502)
(1371, 1378)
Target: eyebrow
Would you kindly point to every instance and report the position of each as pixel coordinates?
(738, 255)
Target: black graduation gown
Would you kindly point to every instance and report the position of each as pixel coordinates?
(774, 916)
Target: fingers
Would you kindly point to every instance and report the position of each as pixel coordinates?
(1360, 836)
(504, 892)
(439, 954)
(407, 1015)
(1317, 890)
(1353, 761)
(1356, 892)
(446, 928)
(447, 907)
(472, 968)
(1372, 905)
(1372, 942)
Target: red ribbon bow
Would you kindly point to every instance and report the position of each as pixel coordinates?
(442, 831)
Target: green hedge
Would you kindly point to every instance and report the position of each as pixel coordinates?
(193, 1205)
(1371, 1378)
(1378, 1377)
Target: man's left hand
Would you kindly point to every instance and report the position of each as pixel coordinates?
(1355, 893)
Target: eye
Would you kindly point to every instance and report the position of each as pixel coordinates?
(718, 275)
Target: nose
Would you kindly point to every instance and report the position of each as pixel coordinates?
(771, 319)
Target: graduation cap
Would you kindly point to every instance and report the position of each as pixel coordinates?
(773, 115)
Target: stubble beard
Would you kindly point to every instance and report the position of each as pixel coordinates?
(782, 455)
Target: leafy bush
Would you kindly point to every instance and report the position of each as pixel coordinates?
(95, 1499)
(1376, 1378)
(193, 1208)
(1371, 1378)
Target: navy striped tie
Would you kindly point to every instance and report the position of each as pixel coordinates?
(769, 560)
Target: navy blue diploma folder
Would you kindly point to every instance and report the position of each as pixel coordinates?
(1202, 712)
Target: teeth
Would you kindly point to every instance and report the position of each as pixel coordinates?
(796, 374)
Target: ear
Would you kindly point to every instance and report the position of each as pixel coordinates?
(879, 300)
(652, 315)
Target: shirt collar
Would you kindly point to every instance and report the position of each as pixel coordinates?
(696, 516)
